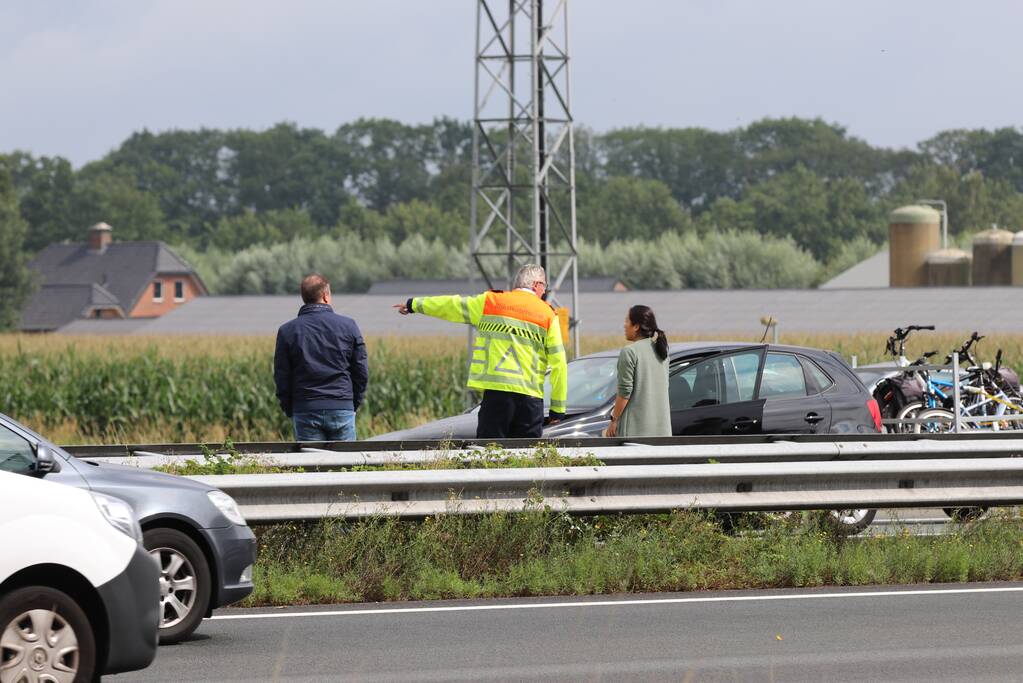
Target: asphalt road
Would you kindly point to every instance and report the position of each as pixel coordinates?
(918, 633)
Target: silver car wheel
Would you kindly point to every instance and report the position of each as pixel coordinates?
(849, 517)
(38, 645)
(177, 585)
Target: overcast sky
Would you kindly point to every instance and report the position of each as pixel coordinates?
(78, 77)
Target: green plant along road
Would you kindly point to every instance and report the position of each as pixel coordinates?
(545, 552)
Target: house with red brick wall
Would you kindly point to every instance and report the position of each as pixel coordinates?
(102, 278)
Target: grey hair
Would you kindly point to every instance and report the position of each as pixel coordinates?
(528, 274)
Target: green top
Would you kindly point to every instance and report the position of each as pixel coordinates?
(643, 379)
(914, 214)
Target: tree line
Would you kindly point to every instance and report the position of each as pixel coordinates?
(790, 200)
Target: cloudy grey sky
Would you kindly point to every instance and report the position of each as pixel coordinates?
(76, 78)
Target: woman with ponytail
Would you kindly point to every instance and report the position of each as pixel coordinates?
(641, 406)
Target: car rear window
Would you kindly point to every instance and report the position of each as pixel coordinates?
(783, 377)
(819, 376)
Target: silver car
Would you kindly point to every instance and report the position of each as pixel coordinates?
(205, 549)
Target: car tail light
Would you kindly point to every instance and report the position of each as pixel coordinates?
(875, 413)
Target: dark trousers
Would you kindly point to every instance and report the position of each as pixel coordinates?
(506, 415)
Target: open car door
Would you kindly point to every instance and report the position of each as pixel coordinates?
(716, 394)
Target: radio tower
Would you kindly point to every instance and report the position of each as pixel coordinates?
(523, 150)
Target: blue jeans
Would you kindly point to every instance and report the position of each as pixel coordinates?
(325, 425)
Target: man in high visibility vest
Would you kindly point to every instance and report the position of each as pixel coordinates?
(518, 336)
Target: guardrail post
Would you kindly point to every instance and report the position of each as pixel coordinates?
(853, 362)
(956, 397)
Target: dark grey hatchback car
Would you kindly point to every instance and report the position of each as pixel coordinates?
(205, 549)
(714, 388)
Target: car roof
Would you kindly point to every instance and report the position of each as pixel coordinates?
(696, 347)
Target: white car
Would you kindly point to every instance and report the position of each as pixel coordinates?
(79, 594)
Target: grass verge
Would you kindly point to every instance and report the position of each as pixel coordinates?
(545, 552)
(226, 459)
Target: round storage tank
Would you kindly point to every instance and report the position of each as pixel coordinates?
(992, 258)
(949, 268)
(913, 232)
(1017, 259)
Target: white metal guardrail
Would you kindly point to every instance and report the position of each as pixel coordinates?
(628, 488)
(313, 459)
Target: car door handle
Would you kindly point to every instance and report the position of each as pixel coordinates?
(813, 418)
(745, 423)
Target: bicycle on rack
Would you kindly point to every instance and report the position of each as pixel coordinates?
(985, 392)
(937, 401)
(903, 393)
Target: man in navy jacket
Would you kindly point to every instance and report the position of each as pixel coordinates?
(320, 367)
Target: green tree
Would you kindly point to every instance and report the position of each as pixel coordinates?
(774, 146)
(974, 201)
(997, 155)
(15, 279)
(698, 165)
(629, 208)
(190, 173)
(45, 189)
(113, 197)
(818, 214)
(286, 167)
(418, 218)
(393, 162)
(235, 233)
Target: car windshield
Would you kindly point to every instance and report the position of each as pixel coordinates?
(592, 382)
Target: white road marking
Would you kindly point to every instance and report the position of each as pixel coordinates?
(620, 603)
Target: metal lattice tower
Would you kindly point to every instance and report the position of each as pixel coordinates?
(523, 150)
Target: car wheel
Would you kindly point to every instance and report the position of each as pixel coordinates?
(965, 514)
(45, 636)
(184, 582)
(851, 522)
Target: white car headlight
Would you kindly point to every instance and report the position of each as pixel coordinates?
(119, 514)
(227, 506)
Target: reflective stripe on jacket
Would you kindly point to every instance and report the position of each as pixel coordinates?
(518, 337)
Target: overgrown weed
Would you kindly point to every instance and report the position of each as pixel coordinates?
(545, 551)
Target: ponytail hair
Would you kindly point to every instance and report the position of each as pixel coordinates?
(644, 318)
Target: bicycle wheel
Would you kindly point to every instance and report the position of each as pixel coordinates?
(907, 412)
(934, 421)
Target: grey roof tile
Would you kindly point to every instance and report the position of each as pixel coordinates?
(123, 268)
(409, 288)
(53, 306)
(698, 312)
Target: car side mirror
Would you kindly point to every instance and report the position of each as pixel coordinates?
(45, 462)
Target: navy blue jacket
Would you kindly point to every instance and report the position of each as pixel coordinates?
(320, 362)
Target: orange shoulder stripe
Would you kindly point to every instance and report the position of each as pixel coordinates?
(519, 305)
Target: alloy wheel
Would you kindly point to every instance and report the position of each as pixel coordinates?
(177, 585)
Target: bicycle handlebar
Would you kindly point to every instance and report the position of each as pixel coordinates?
(964, 350)
(922, 359)
(895, 345)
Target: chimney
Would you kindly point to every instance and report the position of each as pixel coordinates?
(100, 235)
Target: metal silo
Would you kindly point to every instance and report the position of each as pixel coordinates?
(992, 258)
(1017, 259)
(949, 268)
(913, 232)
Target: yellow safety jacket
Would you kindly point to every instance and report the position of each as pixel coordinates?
(517, 337)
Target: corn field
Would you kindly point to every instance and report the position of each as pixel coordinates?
(80, 390)
(208, 389)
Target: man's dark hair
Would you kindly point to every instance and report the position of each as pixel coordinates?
(313, 287)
